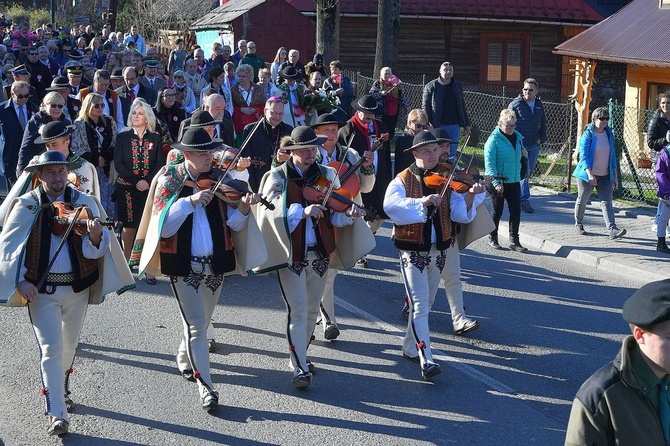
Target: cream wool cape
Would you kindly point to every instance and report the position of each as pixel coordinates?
(164, 191)
(352, 242)
(479, 227)
(87, 175)
(115, 276)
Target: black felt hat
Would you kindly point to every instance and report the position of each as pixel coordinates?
(76, 55)
(53, 130)
(21, 70)
(203, 118)
(289, 72)
(423, 138)
(196, 139)
(50, 158)
(649, 305)
(117, 73)
(442, 135)
(303, 137)
(367, 104)
(326, 119)
(59, 83)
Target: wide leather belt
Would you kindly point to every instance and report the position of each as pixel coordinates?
(205, 260)
(60, 279)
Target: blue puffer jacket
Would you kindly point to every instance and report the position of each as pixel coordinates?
(587, 148)
(501, 159)
(531, 124)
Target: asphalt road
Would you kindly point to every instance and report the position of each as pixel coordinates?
(546, 324)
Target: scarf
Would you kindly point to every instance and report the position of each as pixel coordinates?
(363, 129)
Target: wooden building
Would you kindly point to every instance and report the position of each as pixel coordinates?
(493, 44)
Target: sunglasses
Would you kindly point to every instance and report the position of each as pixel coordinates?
(169, 95)
(420, 126)
(604, 118)
(178, 77)
(99, 105)
(56, 105)
(528, 89)
(22, 96)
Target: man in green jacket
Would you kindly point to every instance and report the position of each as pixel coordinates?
(627, 402)
(253, 59)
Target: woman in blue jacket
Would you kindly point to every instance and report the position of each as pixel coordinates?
(597, 169)
(502, 157)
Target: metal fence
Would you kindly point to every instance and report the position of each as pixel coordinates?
(555, 163)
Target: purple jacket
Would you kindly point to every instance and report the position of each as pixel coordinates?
(663, 173)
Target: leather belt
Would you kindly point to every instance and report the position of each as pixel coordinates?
(60, 279)
(312, 248)
(205, 260)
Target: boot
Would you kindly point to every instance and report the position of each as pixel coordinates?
(493, 242)
(515, 245)
(661, 246)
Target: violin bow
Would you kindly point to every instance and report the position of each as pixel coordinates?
(226, 172)
(451, 176)
(58, 249)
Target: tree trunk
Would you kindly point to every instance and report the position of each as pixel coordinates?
(328, 29)
(388, 29)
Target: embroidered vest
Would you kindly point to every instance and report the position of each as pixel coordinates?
(85, 270)
(325, 233)
(416, 236)
(175, 251)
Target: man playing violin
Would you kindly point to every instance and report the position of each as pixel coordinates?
(55, 274)
(364, 180)
(423, 231)
(57, 136)
(369, 134)
(192, 235)
(300, 237)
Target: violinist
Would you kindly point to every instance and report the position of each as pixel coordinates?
(331, 151)
(423, 232)
(55, 274)
(367, 134)
(300, 237)
(56, 136)
(190, 234)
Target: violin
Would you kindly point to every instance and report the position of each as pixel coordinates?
(314, 192)
(63, 214)
(460, 181)
(229, 190)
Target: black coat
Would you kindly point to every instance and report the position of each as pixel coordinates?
(28, 147)
(656, 132)
(10, 127)
(433, 100)
(375, 198)
(148, 94)
(262, 147)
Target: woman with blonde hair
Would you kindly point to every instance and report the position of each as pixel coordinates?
(417, 120)
(248, 99)
(138, 156)
(94, 137)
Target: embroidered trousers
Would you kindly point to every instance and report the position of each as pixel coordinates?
(57, 320)
(197, 295)
(421, 273)
(328, 299)
(302, 295)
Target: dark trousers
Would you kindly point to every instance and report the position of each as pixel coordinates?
(511, 194)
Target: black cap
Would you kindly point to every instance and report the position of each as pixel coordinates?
(649, 305)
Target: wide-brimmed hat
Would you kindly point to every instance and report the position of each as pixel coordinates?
(442, 135)
(196, 139)
(327, 119)
(367, 104)
(76, 55)
(50, 158)
(59, 83)
(117, 73)
(20, 70)
(203, 118)
(289, 72)
(303, 137)
(423, 138)
(52, 131)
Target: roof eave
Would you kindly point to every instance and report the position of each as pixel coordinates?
(618, 59)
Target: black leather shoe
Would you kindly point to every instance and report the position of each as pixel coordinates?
(494, 244)
(210, 401)
(311, 368)
(188, 375)
(58, 427)
(430, 370)
(469, 326)
(69, 404)
(517, 247)
(331, 332)
(302, 380)
(211, 345)
(412, 358)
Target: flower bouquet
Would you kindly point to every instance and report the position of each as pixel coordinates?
(317, 100)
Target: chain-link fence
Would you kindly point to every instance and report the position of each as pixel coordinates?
(637, 180)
